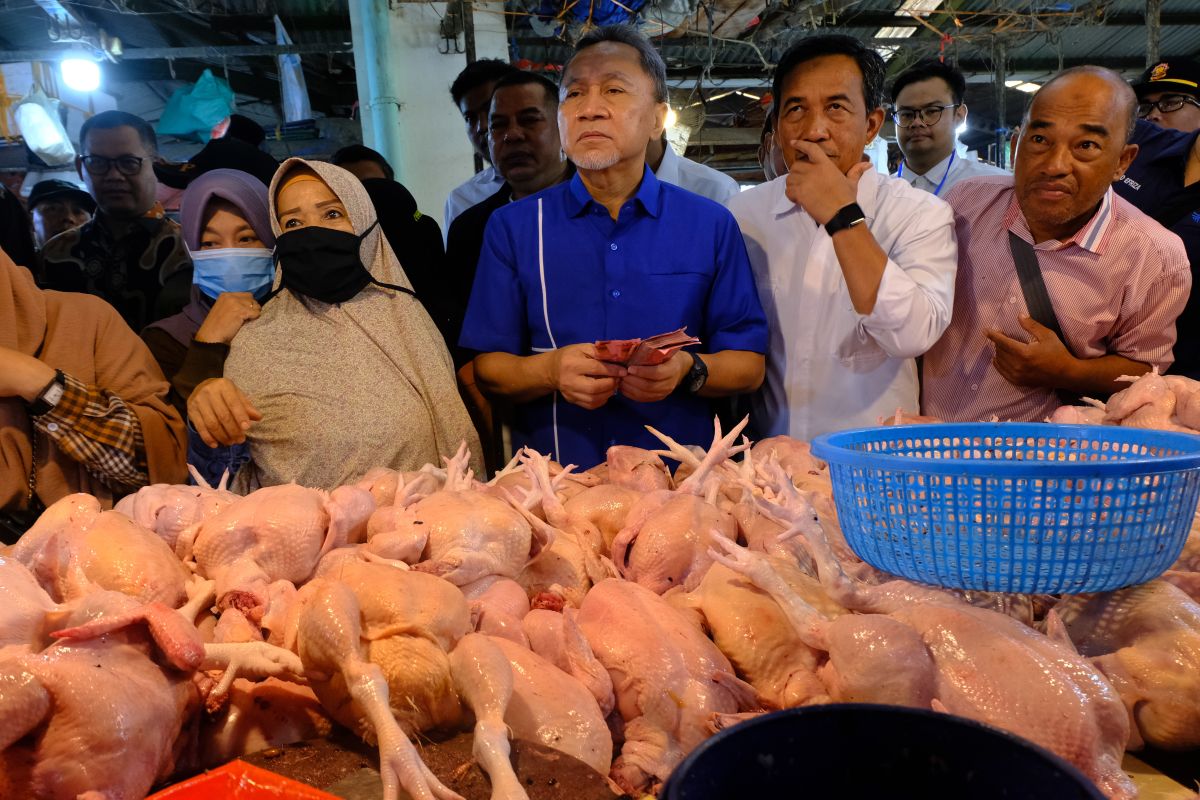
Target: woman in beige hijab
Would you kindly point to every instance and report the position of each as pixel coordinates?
(344, 370)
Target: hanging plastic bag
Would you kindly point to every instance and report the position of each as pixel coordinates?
(194, 111)
(40, 124)
(291, 76)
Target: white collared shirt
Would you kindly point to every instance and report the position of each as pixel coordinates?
(696, 178)
(960, 169)
(480, 187)
(828, 367)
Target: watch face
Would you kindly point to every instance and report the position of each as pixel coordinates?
(53, 394)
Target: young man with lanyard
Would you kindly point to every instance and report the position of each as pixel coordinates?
(928, 107)
(613, 253)
(855, 269)
(1164, 179)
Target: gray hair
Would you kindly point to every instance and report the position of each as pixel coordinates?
(651, 61)
(1126, 96)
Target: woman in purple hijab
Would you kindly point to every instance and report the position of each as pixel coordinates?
(227, 229)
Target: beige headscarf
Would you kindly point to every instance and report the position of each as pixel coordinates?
(85, 338)
(348, 386)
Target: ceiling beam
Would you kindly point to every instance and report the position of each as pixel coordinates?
(880, 19)
(214, 53)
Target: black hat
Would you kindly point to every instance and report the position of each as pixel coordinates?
(44, 190)
(219, 154)
(1177, 75)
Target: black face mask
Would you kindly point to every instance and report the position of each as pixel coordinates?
(324, 264)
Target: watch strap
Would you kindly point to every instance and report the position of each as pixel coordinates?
(41, 405)
(698, 375)
(847, 217)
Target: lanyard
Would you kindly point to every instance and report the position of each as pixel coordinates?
(942, 182)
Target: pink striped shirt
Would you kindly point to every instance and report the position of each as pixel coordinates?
(1117, 286)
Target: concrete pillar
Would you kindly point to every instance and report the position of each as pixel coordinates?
(404, 91)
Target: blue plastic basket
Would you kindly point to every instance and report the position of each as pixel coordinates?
(1015, 507)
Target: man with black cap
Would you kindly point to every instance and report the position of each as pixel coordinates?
(1164, 179)
(58, 206)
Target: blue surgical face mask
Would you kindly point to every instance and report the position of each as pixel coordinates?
(233, 269)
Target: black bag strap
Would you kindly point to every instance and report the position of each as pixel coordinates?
(1037, 299)
(1033, 286)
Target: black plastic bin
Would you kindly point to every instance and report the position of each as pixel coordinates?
(850, 751)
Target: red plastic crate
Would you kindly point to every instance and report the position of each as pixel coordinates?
(238, 780)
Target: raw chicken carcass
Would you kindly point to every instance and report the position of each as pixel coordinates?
(550, 707)
(75, 548)
(637, 469)
(459, 533)
(277, 533)
(917, 644)
(752, 630)
(664, 543)
(564, 571)
(667, 676)
(1146, 640)
(23, 611)
(269, 713)
(397, 657)
(1078, 415)
(169, 510)
(606, 507)
(99, 715)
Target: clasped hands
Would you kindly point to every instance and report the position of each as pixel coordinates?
(586, 381)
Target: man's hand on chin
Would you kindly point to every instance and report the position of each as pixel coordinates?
(815, 183)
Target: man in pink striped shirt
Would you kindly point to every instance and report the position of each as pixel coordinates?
(1115, 278)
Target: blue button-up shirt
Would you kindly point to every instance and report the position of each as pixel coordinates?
(672, 259)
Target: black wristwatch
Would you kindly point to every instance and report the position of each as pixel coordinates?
(848, 217)
(697, 376)
(48, 398)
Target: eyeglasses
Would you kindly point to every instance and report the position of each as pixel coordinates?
(929, 115)
(100, 165)
(1165, 104)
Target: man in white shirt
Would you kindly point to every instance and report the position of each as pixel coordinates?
(670, 167)
(472, 93)
(854, 269)
(928, 107)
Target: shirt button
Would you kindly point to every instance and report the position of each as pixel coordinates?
(612, 246)
(52, 427)
(1012, 299)
(974, 387)
(616, 293)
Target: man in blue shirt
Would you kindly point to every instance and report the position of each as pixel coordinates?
(1164, 179)
(612, 254)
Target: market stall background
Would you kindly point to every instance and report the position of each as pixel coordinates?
(718, 55)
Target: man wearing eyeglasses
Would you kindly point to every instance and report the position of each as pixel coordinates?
(928, 107)
(1164, 179)
(130, 254)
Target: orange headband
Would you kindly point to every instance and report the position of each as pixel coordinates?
(297, 176)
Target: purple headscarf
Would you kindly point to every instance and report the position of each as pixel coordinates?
(249, 195)
(233, 186)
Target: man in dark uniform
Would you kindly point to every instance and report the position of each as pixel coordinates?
(1164, 179)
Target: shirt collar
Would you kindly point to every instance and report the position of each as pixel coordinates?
(648, 195)
(1090, 237)
(668, 168)
(936, 170)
